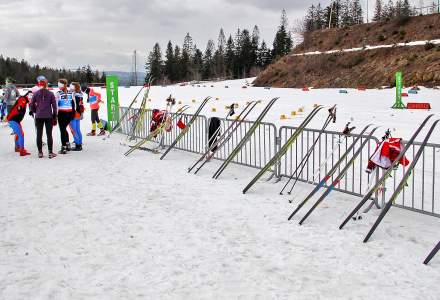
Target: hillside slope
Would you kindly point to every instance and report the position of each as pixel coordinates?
(369, 68)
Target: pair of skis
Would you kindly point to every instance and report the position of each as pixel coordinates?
(125, 114)
(157, 131)
(187, 128)
(284, 148)
(333, 170)
(223, 139)
(331, 117)
(388, 172)
(245, 139)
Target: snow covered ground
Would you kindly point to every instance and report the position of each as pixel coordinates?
(98, 225)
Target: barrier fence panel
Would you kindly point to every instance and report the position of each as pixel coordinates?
(325, 154)
(422, 193)
(257, 151)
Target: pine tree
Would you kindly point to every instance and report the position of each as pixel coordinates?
(282, 43)
(398, 9)
(154, 65)
(255, 46)
(230, 56)
(264, 55)
(319, 17)
(198, 64)
(170, 69)
(178, 62)
(346, 16)
(378, 12)
(357, 13)
(406, 9)
(208, 61)
(219, 56)
(388, 11)
(185, 62)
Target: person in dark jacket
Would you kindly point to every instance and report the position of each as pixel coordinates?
(44, 107)
(14, 118)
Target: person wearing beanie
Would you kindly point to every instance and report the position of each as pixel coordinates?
(10, 93)
(75, 124)
(94, 99)
(44, 108)
(66, 111)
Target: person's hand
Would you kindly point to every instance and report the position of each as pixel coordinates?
(54, 122)
(31, 113)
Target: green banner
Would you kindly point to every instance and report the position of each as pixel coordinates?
(399, 85)
(112, 99)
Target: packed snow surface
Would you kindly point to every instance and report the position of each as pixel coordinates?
(99, 225)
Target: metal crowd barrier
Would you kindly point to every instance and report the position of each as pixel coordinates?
(421, 194)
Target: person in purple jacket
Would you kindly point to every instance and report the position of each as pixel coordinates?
(44, 107)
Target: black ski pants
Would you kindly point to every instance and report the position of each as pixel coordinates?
(40, 124)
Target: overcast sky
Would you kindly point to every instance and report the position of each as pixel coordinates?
(104, 33)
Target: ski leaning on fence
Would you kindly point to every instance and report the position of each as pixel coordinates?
(402, 183)
(332, 171)
(187, 128)
(140, 115)
(225, 136)
(432, 254)
(125, 114)
(284, 148)
(386, 174)
(346, 133)
(331, 117)
(157, 131)
(338, 178)
(245, 139)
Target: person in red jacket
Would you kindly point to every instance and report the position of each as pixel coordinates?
(14, 118)
(94, 98)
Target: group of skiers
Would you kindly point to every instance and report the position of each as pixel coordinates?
(64, 108)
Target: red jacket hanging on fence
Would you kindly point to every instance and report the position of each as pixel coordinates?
(386, 153)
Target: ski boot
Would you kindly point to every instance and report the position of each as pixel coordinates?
(77, 148)
(24, 152)
(102, 132)
(40, 155)
(68, 147)
(91, 133)
(52, 155)
(63, 150)
(17, 149)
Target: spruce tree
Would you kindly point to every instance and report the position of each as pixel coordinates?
(208, 61)
(378, 12)
(230, 57)
(282, 43)
(357, 12)
(154, 65)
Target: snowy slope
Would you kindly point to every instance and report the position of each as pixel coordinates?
(98, 225)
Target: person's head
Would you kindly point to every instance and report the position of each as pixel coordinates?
(42, 81)
(9, 80)
(62, 83)
(75, 87)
